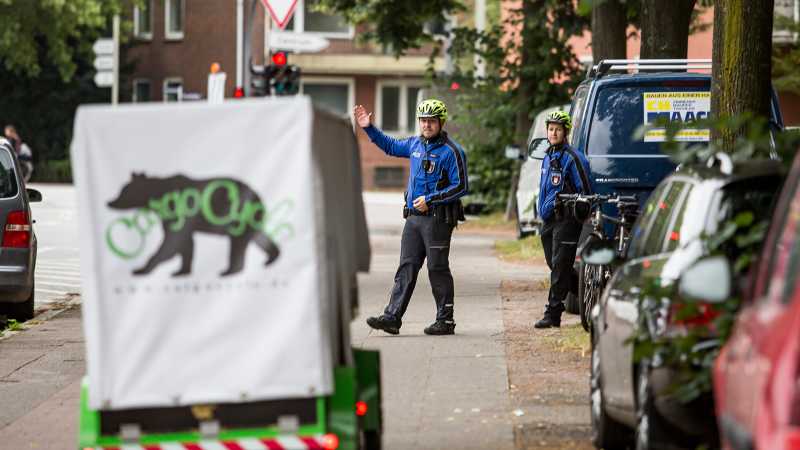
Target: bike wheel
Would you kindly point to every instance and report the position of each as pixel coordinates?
(586, 289)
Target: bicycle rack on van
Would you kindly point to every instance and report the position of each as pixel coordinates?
(624, 65)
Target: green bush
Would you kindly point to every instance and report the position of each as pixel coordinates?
(55, 171)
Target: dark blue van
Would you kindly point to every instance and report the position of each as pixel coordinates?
(609, 107)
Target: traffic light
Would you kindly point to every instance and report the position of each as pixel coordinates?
(259, 80)
(278, 78)
(286, 80)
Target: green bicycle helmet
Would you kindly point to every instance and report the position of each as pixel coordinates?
(561, 118)
(432, 108)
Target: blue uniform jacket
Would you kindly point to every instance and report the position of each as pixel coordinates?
(551, 184)
(446, 177)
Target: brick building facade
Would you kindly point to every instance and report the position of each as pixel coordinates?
(176, 41)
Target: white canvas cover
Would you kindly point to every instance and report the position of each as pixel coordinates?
(162, 184)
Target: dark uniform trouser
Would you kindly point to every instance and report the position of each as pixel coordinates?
(423, 236)
(560, 242)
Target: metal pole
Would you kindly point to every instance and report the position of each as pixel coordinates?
(115, 85)
(248, 46)
(239, 41)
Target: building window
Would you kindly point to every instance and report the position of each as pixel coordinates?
(141, 90)
(334, 95)
(174, 11)
(389, 177)
(397, 107)
(143, 20)
(306, 20)
(173, 90)
(786, 13)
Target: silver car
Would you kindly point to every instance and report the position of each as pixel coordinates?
(18, 247)
(637, 395)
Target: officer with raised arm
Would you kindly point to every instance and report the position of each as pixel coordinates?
(437, 179)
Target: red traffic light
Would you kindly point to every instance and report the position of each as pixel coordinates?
(454, 86)
(279, 59)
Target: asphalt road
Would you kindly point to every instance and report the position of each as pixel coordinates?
(56, 228)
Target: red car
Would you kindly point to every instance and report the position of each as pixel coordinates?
(757, 374)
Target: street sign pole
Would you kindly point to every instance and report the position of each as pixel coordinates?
(115, 86)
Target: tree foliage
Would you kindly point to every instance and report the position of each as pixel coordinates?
(397, 25)
(786, 59)
(527, 70)
(64, 27)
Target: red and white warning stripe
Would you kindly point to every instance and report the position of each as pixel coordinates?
(326, 442)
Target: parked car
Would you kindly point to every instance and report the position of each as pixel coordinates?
(528, 220)
(18, 252)
(627, 394)
(756, 374)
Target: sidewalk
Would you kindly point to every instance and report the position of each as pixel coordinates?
(444, 391)
(40, 373)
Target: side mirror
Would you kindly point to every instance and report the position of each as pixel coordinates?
(513, 152)
(708, 280)
(34, 195)
(599, 252)
(538, 148)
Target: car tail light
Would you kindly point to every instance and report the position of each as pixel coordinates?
(330, 441)
(17, 233)
(703, 316)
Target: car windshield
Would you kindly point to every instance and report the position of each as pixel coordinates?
(620, 111)
(8, 176)
(753, 195)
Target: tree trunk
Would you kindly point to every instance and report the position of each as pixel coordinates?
(665, 28)
(717, 53)
(609, 27)
(742, 54)
(524, 93)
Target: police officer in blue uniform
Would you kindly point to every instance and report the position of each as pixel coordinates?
(564, 171)
(437, 179)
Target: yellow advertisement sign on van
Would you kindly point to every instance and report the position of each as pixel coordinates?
(684, 107)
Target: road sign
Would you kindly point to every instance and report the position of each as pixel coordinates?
(103, 47)
(104, 79)
(280, 10)
(105, 62)
(297, 42)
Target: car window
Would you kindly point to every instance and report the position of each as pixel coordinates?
(793, 265)
(665, 210)
(8, 176)
(577, 110)
(755, 195)
(620, 111)
(774, 244)
(639, 231)
(676, 228)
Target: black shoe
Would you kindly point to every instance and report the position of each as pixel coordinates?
(382, 323)
(549, 321)
(440, 328)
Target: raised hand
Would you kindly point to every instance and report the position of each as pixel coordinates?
(363, 118)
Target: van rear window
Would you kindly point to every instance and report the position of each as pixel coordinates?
(620, 111)
(8, 176)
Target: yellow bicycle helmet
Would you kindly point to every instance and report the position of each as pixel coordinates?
(432, 108)
(561, 118)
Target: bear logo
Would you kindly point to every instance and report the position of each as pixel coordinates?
(186, 206)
